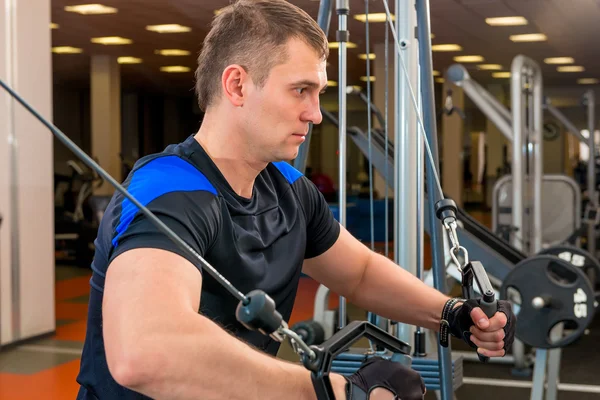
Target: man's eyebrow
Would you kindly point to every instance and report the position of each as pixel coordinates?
(310, 84)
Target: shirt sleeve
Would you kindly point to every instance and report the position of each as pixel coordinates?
(193, 216)
(322, 228)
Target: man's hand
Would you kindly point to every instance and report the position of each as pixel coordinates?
(338, 383)
(381, 379)
(488, 334)
(491, 336)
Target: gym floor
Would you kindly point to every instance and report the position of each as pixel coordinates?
(46, 368)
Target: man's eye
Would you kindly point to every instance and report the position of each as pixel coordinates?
(301, 90)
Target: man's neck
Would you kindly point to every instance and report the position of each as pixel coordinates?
(227, 149)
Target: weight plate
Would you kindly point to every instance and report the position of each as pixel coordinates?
(578, 258)
(551, 290)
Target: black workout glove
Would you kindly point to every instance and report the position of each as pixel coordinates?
(460, 322)
(404, 382)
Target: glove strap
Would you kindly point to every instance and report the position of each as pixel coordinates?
(444, 323)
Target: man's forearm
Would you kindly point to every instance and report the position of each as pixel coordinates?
(197, 359)
(392, 292)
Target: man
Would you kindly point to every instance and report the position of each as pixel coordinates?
(159, 327)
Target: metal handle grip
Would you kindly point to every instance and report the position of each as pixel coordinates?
(489, 308)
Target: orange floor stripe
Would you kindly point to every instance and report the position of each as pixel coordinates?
(56, 383)
(73, 311)
(74, 331)
(71, 288)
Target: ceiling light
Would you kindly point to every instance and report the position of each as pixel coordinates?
(501, 74)
(364, 56)
(364, 79)
(111, 40)
(432, 36)
(506, 21)
(489, 67)
(373, 17)
(529, 37)
(129, 60)
(331, 83)
(469, 59)
(168, 28)
(89, 9)
(587, 81)
(440, 80)
(559, 60)
(570, 68)
(66, 50)
(53, 26)
(172, 52)
(436, 73)
(336, 45)
(175, 68)
(219, 11)
(356, 87)
(446, 47)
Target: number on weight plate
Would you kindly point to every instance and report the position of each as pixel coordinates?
(580, 310)
(579, 296)
(576, 259)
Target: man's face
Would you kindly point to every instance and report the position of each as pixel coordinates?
(277, 116)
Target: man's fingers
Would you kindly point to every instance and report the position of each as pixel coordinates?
(479, 318)
(497, 322)
(486, 336)
(487, 345)
(490, 353)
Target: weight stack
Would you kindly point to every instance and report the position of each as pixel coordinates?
(428, 367)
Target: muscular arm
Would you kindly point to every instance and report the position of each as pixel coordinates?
(157, 343)
(373, 282)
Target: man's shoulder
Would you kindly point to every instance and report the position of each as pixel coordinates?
(159, 174)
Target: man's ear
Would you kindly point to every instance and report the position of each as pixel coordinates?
(232, 81)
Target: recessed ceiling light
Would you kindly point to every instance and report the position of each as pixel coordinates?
(168, 28)
(66, 50)
(570, 68)
(489, 67)
(469, 59)
(373, 17)
(529, 37)
(331, 83)
(111, 40)
(440, 80)
(356, 87)
(446, 47)
(364, 56)
(336, 45)
(172, 52)
(559, 60)
(219, 11)
(587, 81)
(506, 21)
(53, 26)
(89, 9)
(364, 78)
(175, 68)
(436, 73)
(129, 60)
(501, 74)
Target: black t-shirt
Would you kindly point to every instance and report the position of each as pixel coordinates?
(257, 243)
